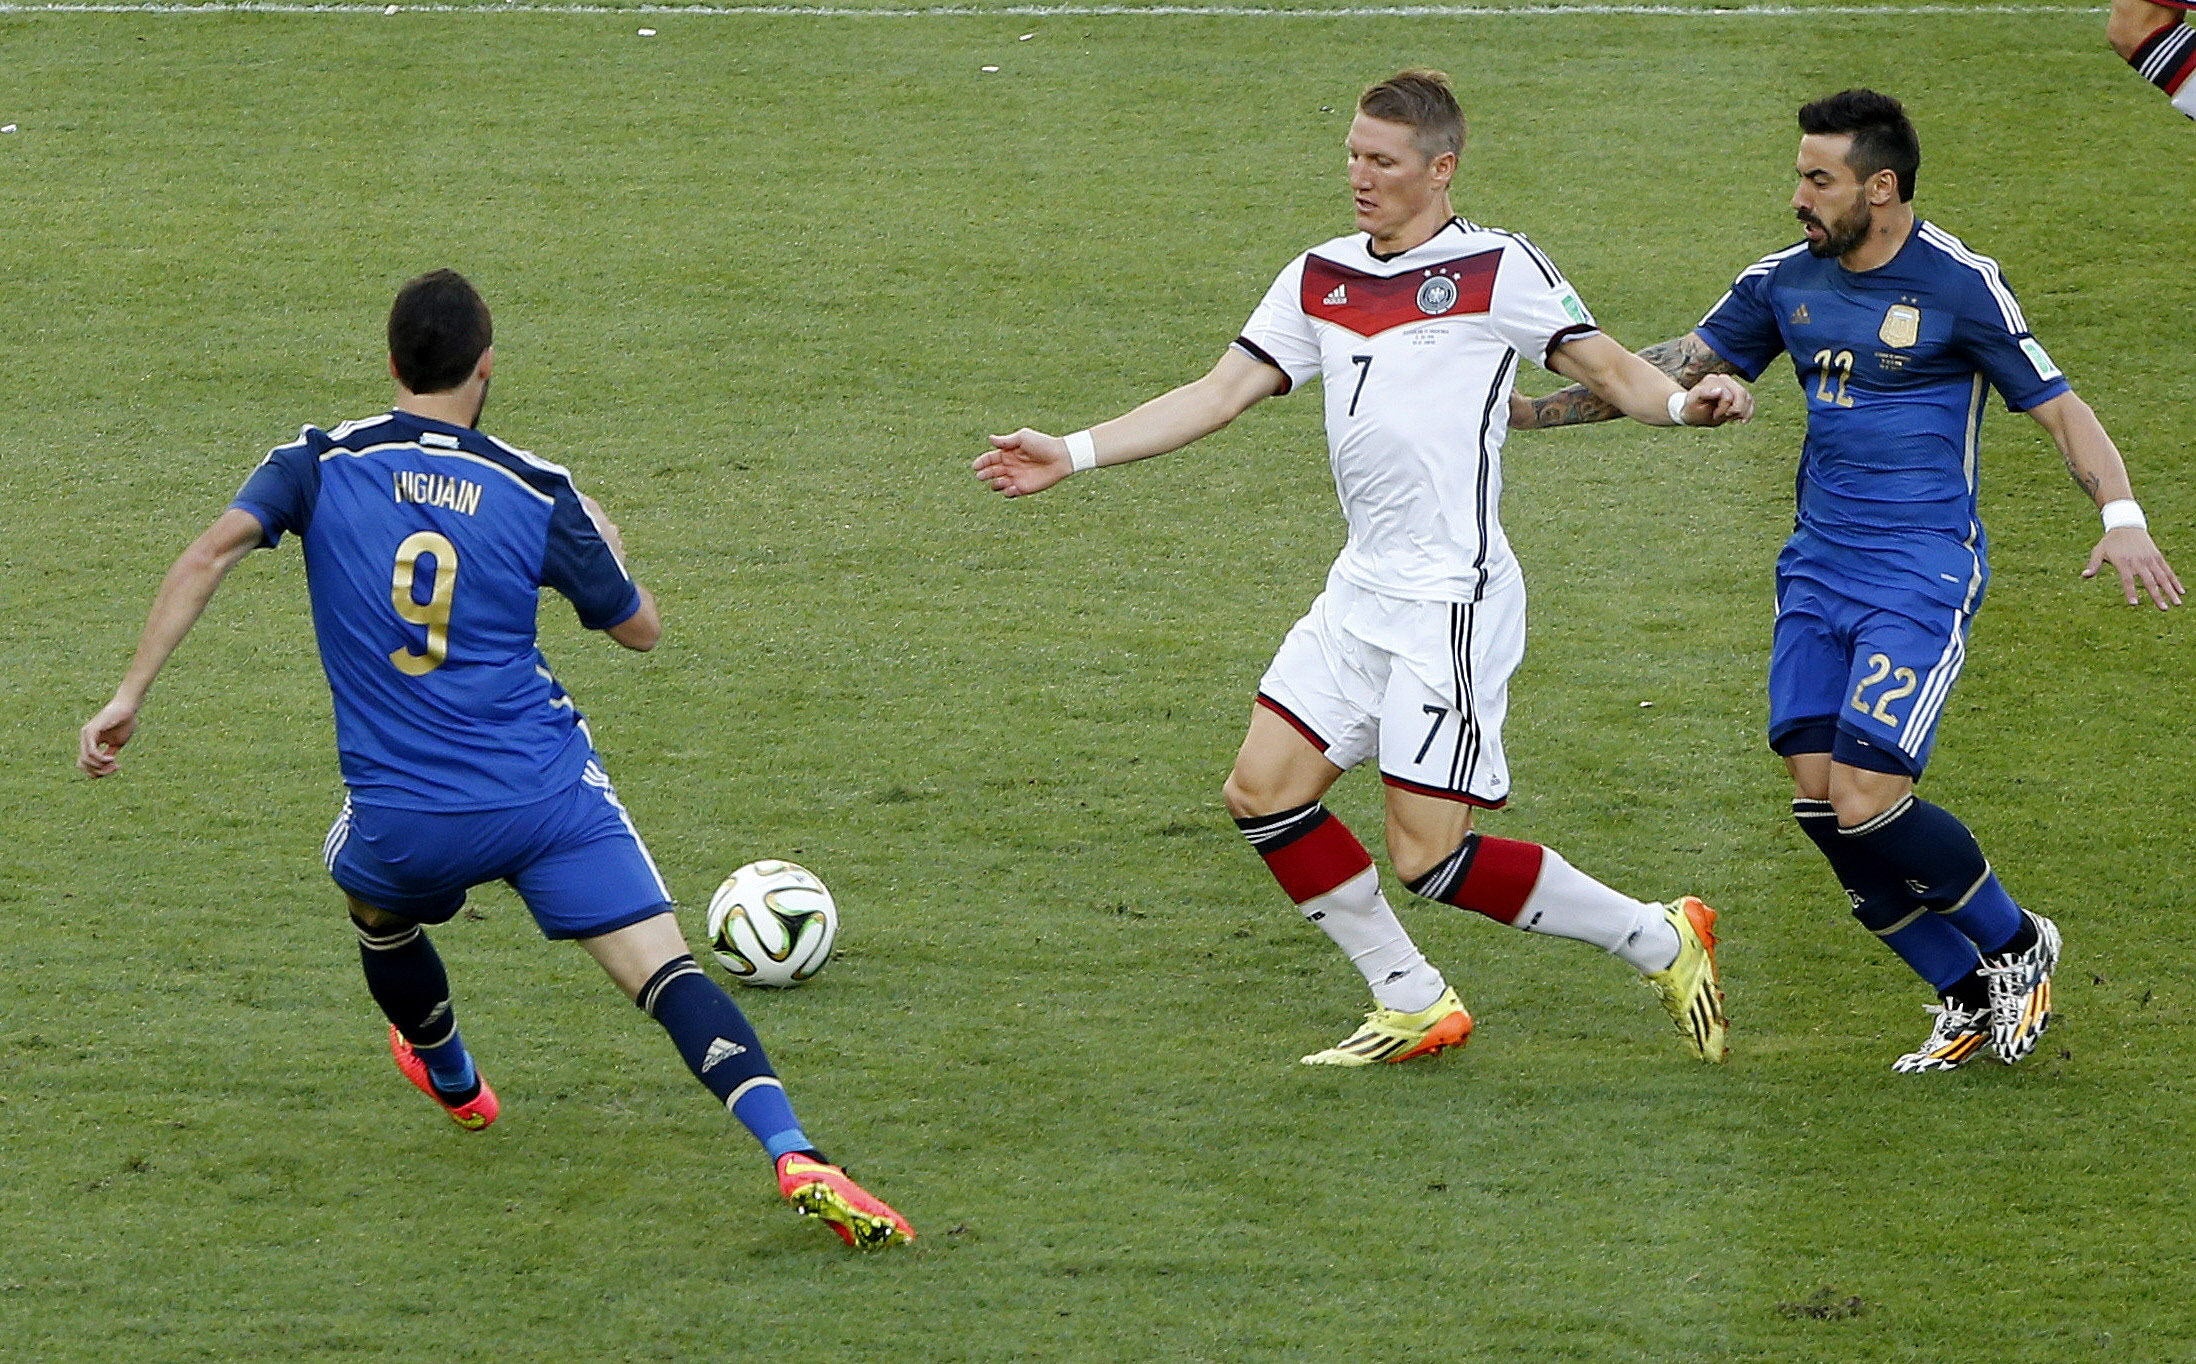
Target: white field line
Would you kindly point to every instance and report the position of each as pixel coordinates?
(1069, 11)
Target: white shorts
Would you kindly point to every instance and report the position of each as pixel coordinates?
(1421, 684)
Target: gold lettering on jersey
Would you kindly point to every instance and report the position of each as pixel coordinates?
(1902, 326)
(437, 490)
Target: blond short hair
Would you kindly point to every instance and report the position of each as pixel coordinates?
(1420, 100)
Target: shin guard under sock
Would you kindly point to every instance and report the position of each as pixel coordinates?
(2167, 59)
(720, 1046)
(1531, 887)
(1937, 952)
(1930, 850)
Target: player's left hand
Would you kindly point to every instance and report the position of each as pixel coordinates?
(2142, 568)
(1522, 415)
(103, 736)
(1717, 399)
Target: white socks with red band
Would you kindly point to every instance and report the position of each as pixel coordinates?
(1328, 874)
(1531, 887)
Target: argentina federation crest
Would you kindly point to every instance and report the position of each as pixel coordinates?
(1437, 295)
(1902, 325)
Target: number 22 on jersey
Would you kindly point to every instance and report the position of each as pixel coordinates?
(1831, 364)
(434, 613)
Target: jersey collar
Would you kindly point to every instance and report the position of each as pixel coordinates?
(1913, 235)
(427, 423)
(1393, 256)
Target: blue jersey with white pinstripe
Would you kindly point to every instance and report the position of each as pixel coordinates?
(426, 546)
(1894, 363)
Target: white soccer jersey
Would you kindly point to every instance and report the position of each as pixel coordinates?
(1417, 352)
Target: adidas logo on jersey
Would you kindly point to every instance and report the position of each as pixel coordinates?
(1800, 317)
(1338, 296)
(719, 1052)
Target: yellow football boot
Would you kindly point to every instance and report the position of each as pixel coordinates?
(1390, 1035)
(1689, 990)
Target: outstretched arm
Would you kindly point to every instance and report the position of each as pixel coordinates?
(1031, 461)
(1686, 360)
(190, 584)
(2094, 463)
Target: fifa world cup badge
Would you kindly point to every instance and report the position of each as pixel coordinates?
(1902, 326)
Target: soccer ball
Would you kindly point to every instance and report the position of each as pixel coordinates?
(773, 923)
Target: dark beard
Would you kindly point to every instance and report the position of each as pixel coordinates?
(1838, 238)
(475, 422)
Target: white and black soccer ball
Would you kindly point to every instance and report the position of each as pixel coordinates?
(773, 923)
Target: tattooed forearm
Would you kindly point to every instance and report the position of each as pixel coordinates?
(1686, 359)
(1572, 406)
(2083, 478)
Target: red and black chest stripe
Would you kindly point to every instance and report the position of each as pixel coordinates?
(1371, 304)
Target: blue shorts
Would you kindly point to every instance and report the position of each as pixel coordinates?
(1864, 681)
(575, 859)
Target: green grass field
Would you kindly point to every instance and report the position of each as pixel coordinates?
(764, 282)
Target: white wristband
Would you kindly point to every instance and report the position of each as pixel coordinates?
(2123, 512)
(1082, 452)
(1677, 408)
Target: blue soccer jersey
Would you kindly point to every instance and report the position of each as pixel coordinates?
(426, 546)
(1894, 364)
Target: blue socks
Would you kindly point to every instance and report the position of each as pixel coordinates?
(405, 976)
(450, 1069)
(721, 1048)
(1933, 946)
(1928, 848)
(1919, 881)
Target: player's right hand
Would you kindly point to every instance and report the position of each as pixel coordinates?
(1023, 463)
(103, 736)
(1717, 399)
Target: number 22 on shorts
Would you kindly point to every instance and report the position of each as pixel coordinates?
(1879, 671)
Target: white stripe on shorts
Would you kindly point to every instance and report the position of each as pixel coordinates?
(594, 776)
(1935, 690)
(339, 833)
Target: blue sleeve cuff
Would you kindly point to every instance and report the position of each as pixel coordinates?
(1747, 371)
(2055, 389)
(269, 537)
(622, 614)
